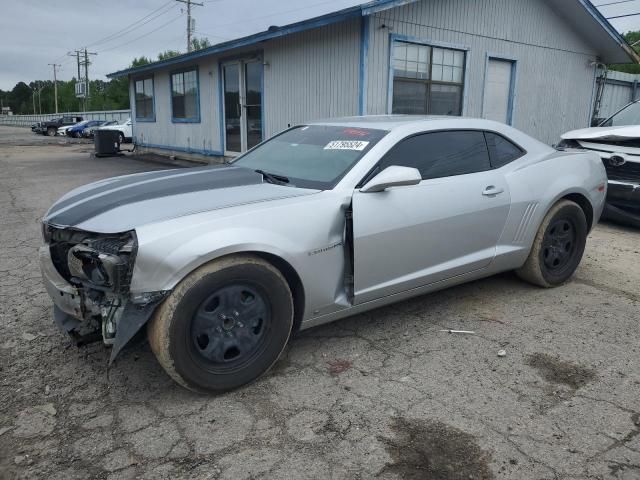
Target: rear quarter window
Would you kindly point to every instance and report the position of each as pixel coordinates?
(501, 150)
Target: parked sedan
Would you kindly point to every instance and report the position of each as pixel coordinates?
(77, 130)
(89, 132)
(62, 131)
(323, 221)
(617, 142)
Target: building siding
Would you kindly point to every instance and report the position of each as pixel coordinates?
(554, 76)
(318, 73)
(620, 89)
(311, 75)
(201, 137)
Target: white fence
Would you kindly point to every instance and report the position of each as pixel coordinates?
(619, 90)
(28, 120)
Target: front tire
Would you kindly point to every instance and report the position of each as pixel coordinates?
(224, 325)
(558, 247)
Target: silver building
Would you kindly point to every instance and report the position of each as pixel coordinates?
(529, 63)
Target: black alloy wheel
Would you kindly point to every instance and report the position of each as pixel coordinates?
(229, 327)
(559, 245)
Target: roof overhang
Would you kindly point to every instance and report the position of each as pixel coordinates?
(582, 14)
(589, 23)
(328, 19)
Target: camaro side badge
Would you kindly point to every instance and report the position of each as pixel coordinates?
(325, 249)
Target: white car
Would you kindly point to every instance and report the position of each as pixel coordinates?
(617, 143)
(62, 131)
(124, 127)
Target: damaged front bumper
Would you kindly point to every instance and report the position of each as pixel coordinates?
(114, 320)
(623, 202)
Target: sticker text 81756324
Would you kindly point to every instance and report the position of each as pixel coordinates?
(357, 145)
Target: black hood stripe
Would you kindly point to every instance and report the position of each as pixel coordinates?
(74, 211)
(124, 181)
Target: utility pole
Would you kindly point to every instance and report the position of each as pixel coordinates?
(86, 64)
(77, 55)
(189, 23)
(39, 87)
(55, 83)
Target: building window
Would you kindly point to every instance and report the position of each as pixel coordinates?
(185, 100)
(144, 99)
(427, 80)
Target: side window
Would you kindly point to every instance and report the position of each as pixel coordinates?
(502, 151)
(441, 154)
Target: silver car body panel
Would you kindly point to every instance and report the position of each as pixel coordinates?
(407, 240)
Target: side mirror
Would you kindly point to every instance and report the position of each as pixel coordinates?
(392, 176)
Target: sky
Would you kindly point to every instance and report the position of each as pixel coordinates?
(35, 34)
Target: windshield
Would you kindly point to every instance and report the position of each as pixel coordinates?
(629, 115)
(313, 156)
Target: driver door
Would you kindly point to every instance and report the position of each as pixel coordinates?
(447, 225)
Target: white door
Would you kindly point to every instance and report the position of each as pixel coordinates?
(497, 91)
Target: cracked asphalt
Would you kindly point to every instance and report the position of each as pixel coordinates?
(384, 395)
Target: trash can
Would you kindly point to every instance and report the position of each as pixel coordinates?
(106, 143)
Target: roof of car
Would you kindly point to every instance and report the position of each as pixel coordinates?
(390, 122)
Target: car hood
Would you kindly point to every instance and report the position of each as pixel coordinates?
(604, 133)
(124, 203)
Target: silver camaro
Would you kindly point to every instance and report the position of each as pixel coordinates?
(320, 222)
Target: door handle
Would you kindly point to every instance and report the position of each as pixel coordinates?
(492, 191)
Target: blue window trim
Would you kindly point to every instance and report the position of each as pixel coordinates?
(594, 87)
(364, 64)
(209, 153)
(256, 56)
(191, 68)
(152, 118)
(394, 37)
(221, 107)
(513, 86)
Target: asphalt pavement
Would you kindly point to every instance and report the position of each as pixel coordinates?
(384, 394)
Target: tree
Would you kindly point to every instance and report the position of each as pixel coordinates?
(167, 54)
(199, 43)
(109, 95)
(138, 62)
(631, 38)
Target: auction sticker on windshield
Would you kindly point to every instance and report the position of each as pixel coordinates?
(356, 145)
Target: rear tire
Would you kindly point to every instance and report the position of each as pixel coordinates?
(224, 325)
(51, 131)
(558, 247)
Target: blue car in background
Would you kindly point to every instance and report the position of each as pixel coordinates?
(77, 130)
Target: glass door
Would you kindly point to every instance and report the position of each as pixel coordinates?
(253, 105)
(242, 105)
(232, 110)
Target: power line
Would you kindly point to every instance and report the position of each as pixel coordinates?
(623, 16)
(275, 14)
(615, 3)
(142, 36)
(138, 23)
